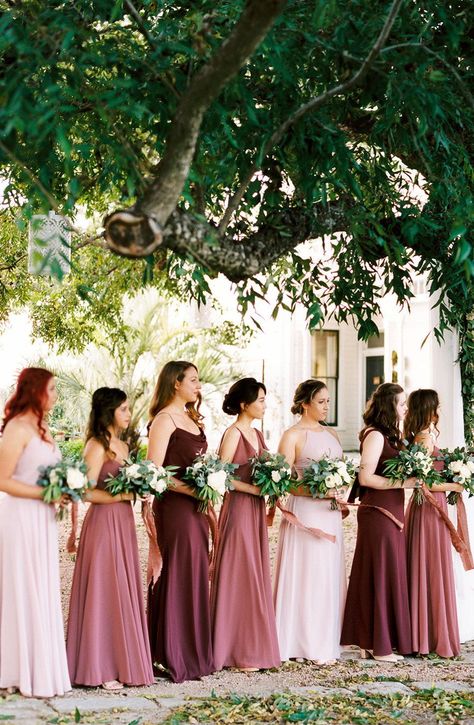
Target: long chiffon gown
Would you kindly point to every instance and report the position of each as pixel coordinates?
(178, 604)
(464, 580)
(377, 613)
(434, 621)
(107, 636)
(310, 579)
(242, 613)
(32, 650)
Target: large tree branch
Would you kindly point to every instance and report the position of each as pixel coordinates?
(163, 193)
(311, 105)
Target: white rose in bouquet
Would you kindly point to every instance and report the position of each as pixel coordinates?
(276, 477)
(455, 466)
(133, 470)
(216, 480)
(465, 471)
(470, 465)
(75, 479)
(331, 480)
(158, 484)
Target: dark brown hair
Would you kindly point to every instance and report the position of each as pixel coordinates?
(243, 391)
(381, 412)
(422, 410)
(105, 402)
(305, 393)
(165, 390)
(30, 394)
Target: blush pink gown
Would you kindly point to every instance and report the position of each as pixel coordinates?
(32, 650)
(310, 579)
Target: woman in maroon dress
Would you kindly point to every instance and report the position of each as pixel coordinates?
(433, 611)
(243, 617)
(107, 639)
(178, 603)
(377, 615)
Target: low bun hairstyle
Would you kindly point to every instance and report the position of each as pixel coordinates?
(105, 402)
(244, 391)
(305, 393)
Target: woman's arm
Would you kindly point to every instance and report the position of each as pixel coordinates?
(424, 439)
(227, 450)
(372, 448)
(16, 437)
(159, 437)
(287, 448)
(94, 456)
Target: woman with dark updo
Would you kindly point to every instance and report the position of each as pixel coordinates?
(107, 637)
(243, 618)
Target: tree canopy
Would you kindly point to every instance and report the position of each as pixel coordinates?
(235, 132)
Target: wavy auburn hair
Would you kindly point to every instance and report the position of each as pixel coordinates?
(381, 412)
(105, 402)
(30, 394)
(165, 390)
(422, 411)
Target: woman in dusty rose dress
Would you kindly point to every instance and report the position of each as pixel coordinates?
(178, 603)
(310, 579)
(107, 642)
(377, 613)
(242, 613)
(32, 650)
(430, 566)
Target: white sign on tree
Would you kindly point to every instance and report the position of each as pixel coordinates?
(49, 245)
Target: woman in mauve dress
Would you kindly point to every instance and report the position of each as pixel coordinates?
(107, 638)
(32, 650)
(178, 603)
(377, 613)
(243, 618)
(431, 587)
(310, 577)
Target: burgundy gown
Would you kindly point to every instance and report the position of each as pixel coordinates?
(433, 610)
(107, 630)
(242, 612)
(178, 603)
(377, 614)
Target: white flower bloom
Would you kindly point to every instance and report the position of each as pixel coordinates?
(268, 463)
(465, 471)
(216, 480)
(346, 477)
(53, 477)
(331, 481)
(133, 470)
(455, 466)
(75, 479)
(470, 465)
(158, 484)
(276, 476)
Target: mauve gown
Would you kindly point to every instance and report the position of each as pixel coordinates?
(178, 604)
(377, 613)
(242, 613)
(107, 632)
(431, 586)
(32, 651)
(310, 576)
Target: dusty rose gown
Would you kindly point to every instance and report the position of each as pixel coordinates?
(178, 603)
(434, 618)
(107, 635)
(310, 578)
(242, 613)
(377, 613)
(32, 651)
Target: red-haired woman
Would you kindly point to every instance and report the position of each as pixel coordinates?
(377, 614)
(32, 649)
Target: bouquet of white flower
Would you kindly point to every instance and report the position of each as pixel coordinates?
(64, 478)
(209, 477)
(272, 474)
(414, 461)
(141, 478)
(328, 474)
(458, 467)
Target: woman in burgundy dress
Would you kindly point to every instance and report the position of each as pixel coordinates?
(377, 615)
(434, 618)
(178, 603)
(107, 642)
(243, 617)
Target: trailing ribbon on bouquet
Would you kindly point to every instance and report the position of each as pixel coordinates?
(459, 536)
(292, 519)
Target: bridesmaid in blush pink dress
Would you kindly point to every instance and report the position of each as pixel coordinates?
(243, 617)
(178, 602)
(107, 638)
(310, 579)
(32, 650)
(430, 566)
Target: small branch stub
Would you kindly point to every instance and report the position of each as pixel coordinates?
(132, 235)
